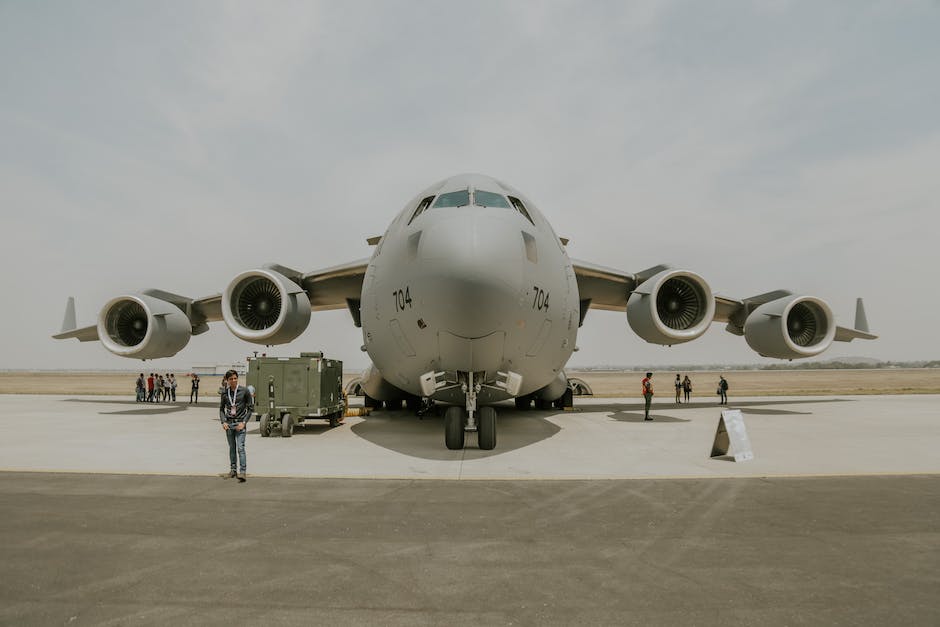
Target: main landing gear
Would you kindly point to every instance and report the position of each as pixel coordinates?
(459, 420)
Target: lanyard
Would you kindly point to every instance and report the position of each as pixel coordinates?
(231, 399)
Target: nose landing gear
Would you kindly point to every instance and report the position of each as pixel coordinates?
(456, 425)
(459, 420)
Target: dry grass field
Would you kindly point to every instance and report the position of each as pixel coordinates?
(605, 384)
(772, 382)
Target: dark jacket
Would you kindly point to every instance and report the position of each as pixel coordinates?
(244, 405)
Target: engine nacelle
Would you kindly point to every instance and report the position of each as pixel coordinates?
(671, 307)
(790, 328)
(265, 307)
(143, 327)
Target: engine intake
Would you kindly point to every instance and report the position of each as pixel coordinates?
(671, 307)
(142, 326)
(265, 307)
(791, 327)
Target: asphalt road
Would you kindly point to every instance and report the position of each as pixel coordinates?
(89, 549)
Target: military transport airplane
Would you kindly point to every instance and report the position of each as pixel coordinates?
(469, 298)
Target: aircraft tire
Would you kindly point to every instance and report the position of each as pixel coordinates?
(453, 428)
(287, 426)
(486, 429)
(336, 419)
(523, 402)
(265, 425)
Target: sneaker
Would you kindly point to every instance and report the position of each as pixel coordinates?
(232, 474)
(242, 478)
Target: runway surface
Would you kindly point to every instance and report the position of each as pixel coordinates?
(114, 513)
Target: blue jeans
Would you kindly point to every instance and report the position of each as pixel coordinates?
(236, 441)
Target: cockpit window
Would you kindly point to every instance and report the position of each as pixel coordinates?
(489, 199)
(520, 208)
(453, 199)
(424, 204)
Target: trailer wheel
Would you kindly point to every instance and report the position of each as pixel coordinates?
(265, 425)
(287, 426)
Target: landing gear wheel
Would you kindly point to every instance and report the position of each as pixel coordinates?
(523, 402)
(486, 429)
(287, 426)
(368, 401)
(453, 428)
(336, 419)
(265, 425)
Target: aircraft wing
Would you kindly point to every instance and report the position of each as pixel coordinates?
(335, 287)
(609, 289)
(603, 287)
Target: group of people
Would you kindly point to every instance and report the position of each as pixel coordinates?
(683, 389)
(158, 388)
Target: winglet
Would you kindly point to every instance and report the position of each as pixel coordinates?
(861, 321)
(860, 332)
(68, 322)
(71, 330)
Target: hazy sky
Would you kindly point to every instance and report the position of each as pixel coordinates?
(763, 145)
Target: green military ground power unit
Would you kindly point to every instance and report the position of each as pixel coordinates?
(289, 390)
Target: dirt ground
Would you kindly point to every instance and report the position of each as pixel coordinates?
(605, 384)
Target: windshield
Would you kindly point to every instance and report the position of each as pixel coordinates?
(453, 199)
(489, 199)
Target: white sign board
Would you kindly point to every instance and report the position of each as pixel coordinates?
(731, 437)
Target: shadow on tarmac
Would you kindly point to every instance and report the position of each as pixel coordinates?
(405, 433)
(633, 412)
(143, 409)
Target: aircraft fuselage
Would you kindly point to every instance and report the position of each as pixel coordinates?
(470, 278)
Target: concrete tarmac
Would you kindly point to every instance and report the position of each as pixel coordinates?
(606, 439)
(114, 513)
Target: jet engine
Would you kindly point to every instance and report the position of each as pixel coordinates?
(265, 307)
(143, 327)
(790, 327)
(671, 307)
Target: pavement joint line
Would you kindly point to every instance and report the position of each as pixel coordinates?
(554, 478)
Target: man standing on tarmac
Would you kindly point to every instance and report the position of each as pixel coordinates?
(234, 412)
(648, 393)
(194, 390)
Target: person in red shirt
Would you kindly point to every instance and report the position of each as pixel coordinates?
(648, 393)
(150, 388)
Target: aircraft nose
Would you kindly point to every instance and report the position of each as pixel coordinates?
(471, 269)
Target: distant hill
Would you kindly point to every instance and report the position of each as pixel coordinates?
(867, 361)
